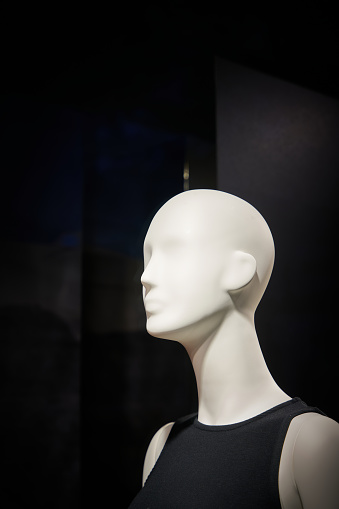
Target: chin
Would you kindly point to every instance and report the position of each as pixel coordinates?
(160, 332)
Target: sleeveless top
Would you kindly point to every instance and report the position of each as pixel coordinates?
(229, 466)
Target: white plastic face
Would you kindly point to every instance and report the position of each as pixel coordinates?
(199, 246)
(183, 274)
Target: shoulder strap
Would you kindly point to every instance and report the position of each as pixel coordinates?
(181, 424)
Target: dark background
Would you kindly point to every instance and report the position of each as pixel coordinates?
(278, 149)
(99, 113)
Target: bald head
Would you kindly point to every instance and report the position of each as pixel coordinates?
(212, 225)
(218, 217)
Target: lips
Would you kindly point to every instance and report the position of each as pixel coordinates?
(152, 305)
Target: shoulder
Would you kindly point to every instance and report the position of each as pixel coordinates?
(316, 460)
(317, 437)
(154, 449)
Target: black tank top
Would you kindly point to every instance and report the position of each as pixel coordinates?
(221, 467)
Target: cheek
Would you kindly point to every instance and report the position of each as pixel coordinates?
(195, 286)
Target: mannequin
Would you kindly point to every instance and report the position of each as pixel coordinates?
(208, 257)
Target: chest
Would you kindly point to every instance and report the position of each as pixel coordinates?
(237, 468)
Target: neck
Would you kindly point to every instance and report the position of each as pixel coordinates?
(234, 383)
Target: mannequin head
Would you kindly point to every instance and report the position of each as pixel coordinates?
(206, 254)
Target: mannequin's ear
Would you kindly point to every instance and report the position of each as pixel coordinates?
(239, 271)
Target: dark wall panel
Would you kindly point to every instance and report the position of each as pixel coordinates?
(277, 148)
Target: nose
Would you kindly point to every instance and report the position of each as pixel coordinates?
(146, 279)
(150, 276)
